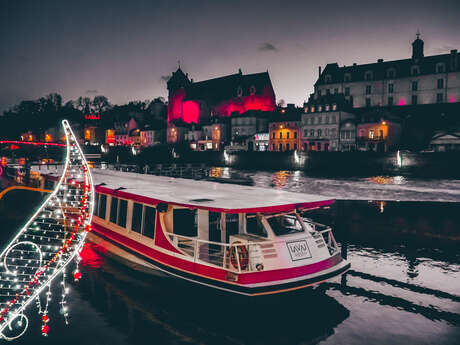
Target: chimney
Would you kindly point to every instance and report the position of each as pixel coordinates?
(354, 64)
(319, 71)
(380, 60)
(239, 71)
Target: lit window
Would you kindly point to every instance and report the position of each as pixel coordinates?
(334, 107)
(371, 134)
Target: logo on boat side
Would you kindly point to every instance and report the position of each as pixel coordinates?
(298, 250)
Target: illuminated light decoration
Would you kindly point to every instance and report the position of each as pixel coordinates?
(30, 143)
(402, 101)
(452, 99)
(46, 245)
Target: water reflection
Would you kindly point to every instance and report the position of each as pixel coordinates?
(387, 179)
(164, 308)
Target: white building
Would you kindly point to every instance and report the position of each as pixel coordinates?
(446, 141)
(249, 123)
(418, 80)
(321, 124)
(151, 137)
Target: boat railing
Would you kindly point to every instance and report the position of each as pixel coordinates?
(239, 257)
(326, 232)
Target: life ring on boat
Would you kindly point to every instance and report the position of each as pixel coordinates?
(243, 255)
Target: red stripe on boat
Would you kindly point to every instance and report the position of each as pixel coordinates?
(217, 273)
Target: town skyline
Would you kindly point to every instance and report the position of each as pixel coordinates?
(72, 59)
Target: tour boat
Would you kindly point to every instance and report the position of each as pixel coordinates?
(241, 239)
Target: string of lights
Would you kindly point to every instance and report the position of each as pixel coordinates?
(46, 245)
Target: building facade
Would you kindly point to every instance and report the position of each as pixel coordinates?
(221, 97)
(249, 123)
(284, 135)
(321, 123)
(417, 80)
(151, 137)
(443, 141)
(376, 133)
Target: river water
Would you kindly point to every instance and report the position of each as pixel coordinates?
(403, 288)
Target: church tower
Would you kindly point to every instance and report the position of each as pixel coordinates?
(177, 85)
(417, 48)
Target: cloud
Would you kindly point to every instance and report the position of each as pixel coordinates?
(165, 78)
(444, 49)
(92, 91)
(267, 47)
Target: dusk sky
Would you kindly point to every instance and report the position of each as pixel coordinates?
(126, 49)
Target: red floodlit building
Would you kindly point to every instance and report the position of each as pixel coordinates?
(236, 93)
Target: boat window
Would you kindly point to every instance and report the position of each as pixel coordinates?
(185, 222)
(149, 221)
(137, 217)
(254, 225)
(214, 226)
(113, 210)
(122, 207)
(102, 206)
(284, 224)
(231, 225)
(96, 204)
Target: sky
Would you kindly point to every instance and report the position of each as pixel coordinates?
(126, 50)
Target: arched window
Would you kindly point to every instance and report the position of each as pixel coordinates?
(252, 90)
(391, 73)
(415, 70)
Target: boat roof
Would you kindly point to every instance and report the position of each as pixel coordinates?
(213, 196)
